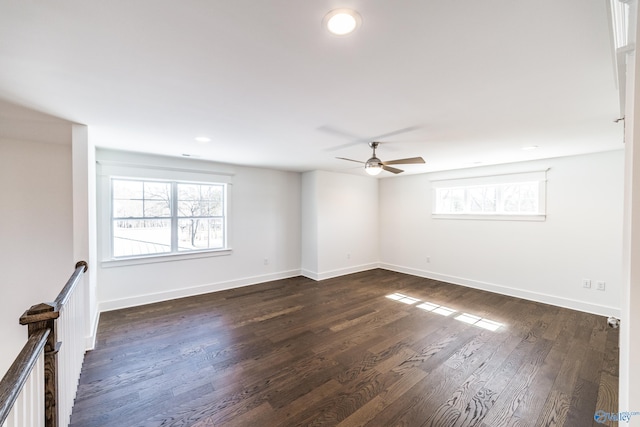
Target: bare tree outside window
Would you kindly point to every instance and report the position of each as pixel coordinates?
(521, 198)
(158, 217)
(200, 211)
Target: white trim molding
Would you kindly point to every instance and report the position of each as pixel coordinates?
(317, 276)
(509, 291)
(151, 298)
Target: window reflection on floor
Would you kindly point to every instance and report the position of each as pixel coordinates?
(403, 298)
(471, 319)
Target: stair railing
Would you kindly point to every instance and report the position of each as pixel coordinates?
(30, 394)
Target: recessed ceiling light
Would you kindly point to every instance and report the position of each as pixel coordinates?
(202, 139)
(529, 147)
(341, 22)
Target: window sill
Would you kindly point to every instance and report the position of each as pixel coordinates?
(125, 262)
(489, 217)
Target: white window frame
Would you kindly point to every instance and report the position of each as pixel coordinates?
(467, 184)
(108, 170)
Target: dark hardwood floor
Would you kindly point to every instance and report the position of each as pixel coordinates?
(341, 352)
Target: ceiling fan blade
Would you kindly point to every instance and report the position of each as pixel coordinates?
(351, 160)
(392, 170)
(409, 161)
(396, 132)
(355, 140)
(342, 146)
(339, 132)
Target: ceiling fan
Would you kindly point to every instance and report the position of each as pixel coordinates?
(374, 165)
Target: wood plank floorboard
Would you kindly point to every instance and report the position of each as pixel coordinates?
(296, 352)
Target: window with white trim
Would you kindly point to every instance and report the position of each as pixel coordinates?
(511, 196)
(157, 217)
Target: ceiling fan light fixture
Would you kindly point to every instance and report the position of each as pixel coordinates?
(342, 22)
(373, 166)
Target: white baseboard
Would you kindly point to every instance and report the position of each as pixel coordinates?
(196, 290)
(587, 307)
(309, 274)
(317, 276)
(90, 341)
(339, 272)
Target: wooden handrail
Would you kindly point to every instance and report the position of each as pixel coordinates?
(16, 377)
(65, 293)
(49, 311)
(40, 319)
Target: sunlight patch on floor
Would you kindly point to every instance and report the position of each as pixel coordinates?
(403, 298)
(471, 319)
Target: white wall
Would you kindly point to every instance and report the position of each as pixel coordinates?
(543, 261)
(629, 384)
(84, 223)
(309, 233)
(341, 219)
(36, 233)
(264, 223)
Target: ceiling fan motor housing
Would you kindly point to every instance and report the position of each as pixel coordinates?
(373, 162)
(373, 166)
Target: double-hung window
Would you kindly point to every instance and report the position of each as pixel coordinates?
(520, 196)
(156, 217)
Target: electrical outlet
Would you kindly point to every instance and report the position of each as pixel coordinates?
(600, 286)
(348, 255)
(586, 283)
(428, 259)
(266, 261)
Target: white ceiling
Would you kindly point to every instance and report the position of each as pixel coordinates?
(460, 83)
